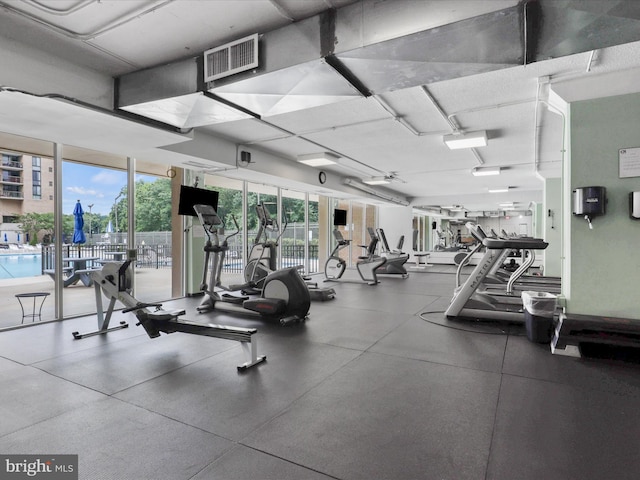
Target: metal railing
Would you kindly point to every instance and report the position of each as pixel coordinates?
(11, 194)
(292, 256)
(10, 179)
(147, 256)
(10, 164)
(159, 255)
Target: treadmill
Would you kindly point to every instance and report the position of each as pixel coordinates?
(473, 300)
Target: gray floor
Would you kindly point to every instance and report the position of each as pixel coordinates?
(365, 389)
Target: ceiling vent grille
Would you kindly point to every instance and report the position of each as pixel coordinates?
(231, 58)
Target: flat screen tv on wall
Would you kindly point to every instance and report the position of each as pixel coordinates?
(339, 217)
(190, 196)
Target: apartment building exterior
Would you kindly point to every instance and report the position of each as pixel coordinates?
(26, 185)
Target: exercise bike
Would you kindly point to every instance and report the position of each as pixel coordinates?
(367, 265)
(395, 258)
(283, 296)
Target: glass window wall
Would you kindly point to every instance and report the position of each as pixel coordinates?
(99, 190)
(94, 204)
(230, 210)
(294, 233)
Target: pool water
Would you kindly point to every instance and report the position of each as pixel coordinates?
(19, 266)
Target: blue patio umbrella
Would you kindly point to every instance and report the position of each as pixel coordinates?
(78, 232)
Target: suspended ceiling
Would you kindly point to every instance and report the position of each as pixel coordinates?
(380, 91)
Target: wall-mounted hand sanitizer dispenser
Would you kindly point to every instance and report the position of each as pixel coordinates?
(589, 202)
(634, 205)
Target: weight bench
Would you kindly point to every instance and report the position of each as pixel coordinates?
(420, 258)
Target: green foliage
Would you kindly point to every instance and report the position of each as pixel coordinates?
(40, 226)
(153, 207)
(230, 205)
(36, 225)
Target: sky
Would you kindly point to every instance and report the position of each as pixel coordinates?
(91, 185)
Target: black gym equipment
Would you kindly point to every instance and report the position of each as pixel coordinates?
(263, 258)
(284, 295)
(367, 265)
(396, 259)
(114, 281)
(590, 335)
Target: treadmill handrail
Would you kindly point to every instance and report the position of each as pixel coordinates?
(517, 243)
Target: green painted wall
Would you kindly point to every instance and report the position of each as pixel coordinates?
(605, 261)
(538, 221)
(552, 229)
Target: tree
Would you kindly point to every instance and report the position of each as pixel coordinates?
(40, 226)
(34, 224)
(229, 204)
(153, 206)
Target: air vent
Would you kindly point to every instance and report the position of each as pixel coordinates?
(231, 58)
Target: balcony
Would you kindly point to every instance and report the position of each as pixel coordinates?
(11, 180)
(11, 195)
(9, 165)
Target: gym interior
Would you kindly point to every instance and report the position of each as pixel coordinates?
(413, 360)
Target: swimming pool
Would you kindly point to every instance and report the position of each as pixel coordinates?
(20, 265)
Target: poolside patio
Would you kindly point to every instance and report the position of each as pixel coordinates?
(151, 284)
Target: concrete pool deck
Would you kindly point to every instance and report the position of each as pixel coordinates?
(151, 285)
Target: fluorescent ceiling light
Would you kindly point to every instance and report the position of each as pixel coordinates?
(399, 200)
(485, 171)
(507, 204)
(376, 181)
(466, 140)
(318, 159)
(499, 190)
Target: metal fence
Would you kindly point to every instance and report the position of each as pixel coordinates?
(292, 256)
(147, 256)
(159, 255)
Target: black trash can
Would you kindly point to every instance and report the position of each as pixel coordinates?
(539, 308)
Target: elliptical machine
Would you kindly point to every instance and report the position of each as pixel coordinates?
(263, 258)
(284, 295)
(367, 265)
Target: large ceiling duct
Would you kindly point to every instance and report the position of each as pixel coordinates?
(339, 55)
(173, 95)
